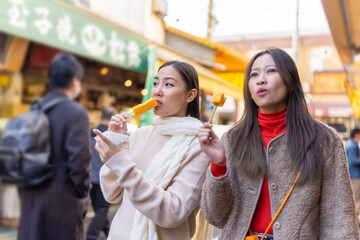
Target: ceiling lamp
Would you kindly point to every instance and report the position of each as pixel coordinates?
(144, 92)
(128, 83)
(104, 71)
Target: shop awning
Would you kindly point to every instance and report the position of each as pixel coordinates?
(235, 78)
(231, 58)
(72, 29)
(212, 83)
(209, 81)
(344, 22)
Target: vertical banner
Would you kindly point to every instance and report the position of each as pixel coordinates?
(146, 118)
(354, 96)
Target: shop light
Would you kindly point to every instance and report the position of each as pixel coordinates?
(357, 57)
(4, 80)
(144, 92)
(104, 71)
(128, 83)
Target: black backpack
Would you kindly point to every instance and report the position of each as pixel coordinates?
(25, 146)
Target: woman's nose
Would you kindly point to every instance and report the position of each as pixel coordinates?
(261, 80)
(158, 90)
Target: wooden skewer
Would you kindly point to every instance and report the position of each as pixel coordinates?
(212, 114)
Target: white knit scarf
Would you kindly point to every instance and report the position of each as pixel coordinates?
(165, 164)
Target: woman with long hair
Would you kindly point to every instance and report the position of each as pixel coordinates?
(158, 175)
(257, 161)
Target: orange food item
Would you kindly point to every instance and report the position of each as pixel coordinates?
(218, 99)
(143, 107)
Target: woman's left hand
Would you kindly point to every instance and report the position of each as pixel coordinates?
(211, 144)
(107, 148)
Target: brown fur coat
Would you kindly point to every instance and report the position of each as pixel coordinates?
(323, 208)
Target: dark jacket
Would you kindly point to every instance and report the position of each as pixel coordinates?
(353, 155)
(56, 209)
(96, 163)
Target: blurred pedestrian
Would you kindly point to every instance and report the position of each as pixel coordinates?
(353, 155)
(56, 209)
(158, 175)
(100, 222)
(258, 160)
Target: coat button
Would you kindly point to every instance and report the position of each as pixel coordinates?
(277, 225)
(274, 186)
(271, 150)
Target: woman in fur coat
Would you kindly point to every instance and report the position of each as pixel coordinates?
(257, 161)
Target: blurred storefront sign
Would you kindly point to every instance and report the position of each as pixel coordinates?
(329, 82)
(331, 110)
(61, 26)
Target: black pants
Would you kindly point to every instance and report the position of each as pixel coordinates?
(99, 222)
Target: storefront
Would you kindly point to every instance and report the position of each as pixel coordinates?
(118, 64)
(344, 21)
(71, 29)
(50, 26)
(31, 33)
(329, 102)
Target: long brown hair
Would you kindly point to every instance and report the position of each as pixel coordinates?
(303, 141)
(191, 79)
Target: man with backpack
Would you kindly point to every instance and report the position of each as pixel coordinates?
(55, 208)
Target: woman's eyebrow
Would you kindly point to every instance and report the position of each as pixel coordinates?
(272, 65)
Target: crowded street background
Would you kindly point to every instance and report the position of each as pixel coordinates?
(89, 60)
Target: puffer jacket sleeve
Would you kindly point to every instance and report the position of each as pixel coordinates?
(110, 188)
(337, 208)
(217, 196)
(167, 208)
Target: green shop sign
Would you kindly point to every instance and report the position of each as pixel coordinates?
(62, 26)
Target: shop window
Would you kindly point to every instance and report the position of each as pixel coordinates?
(338, 127)
(342, 128)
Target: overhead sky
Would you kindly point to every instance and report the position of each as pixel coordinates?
(243, 17)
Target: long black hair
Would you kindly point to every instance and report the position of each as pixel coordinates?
(191, 79)
(303, 142)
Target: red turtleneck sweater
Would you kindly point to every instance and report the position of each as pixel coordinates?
(271, 126)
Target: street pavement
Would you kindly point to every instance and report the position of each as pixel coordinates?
(9, 233)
